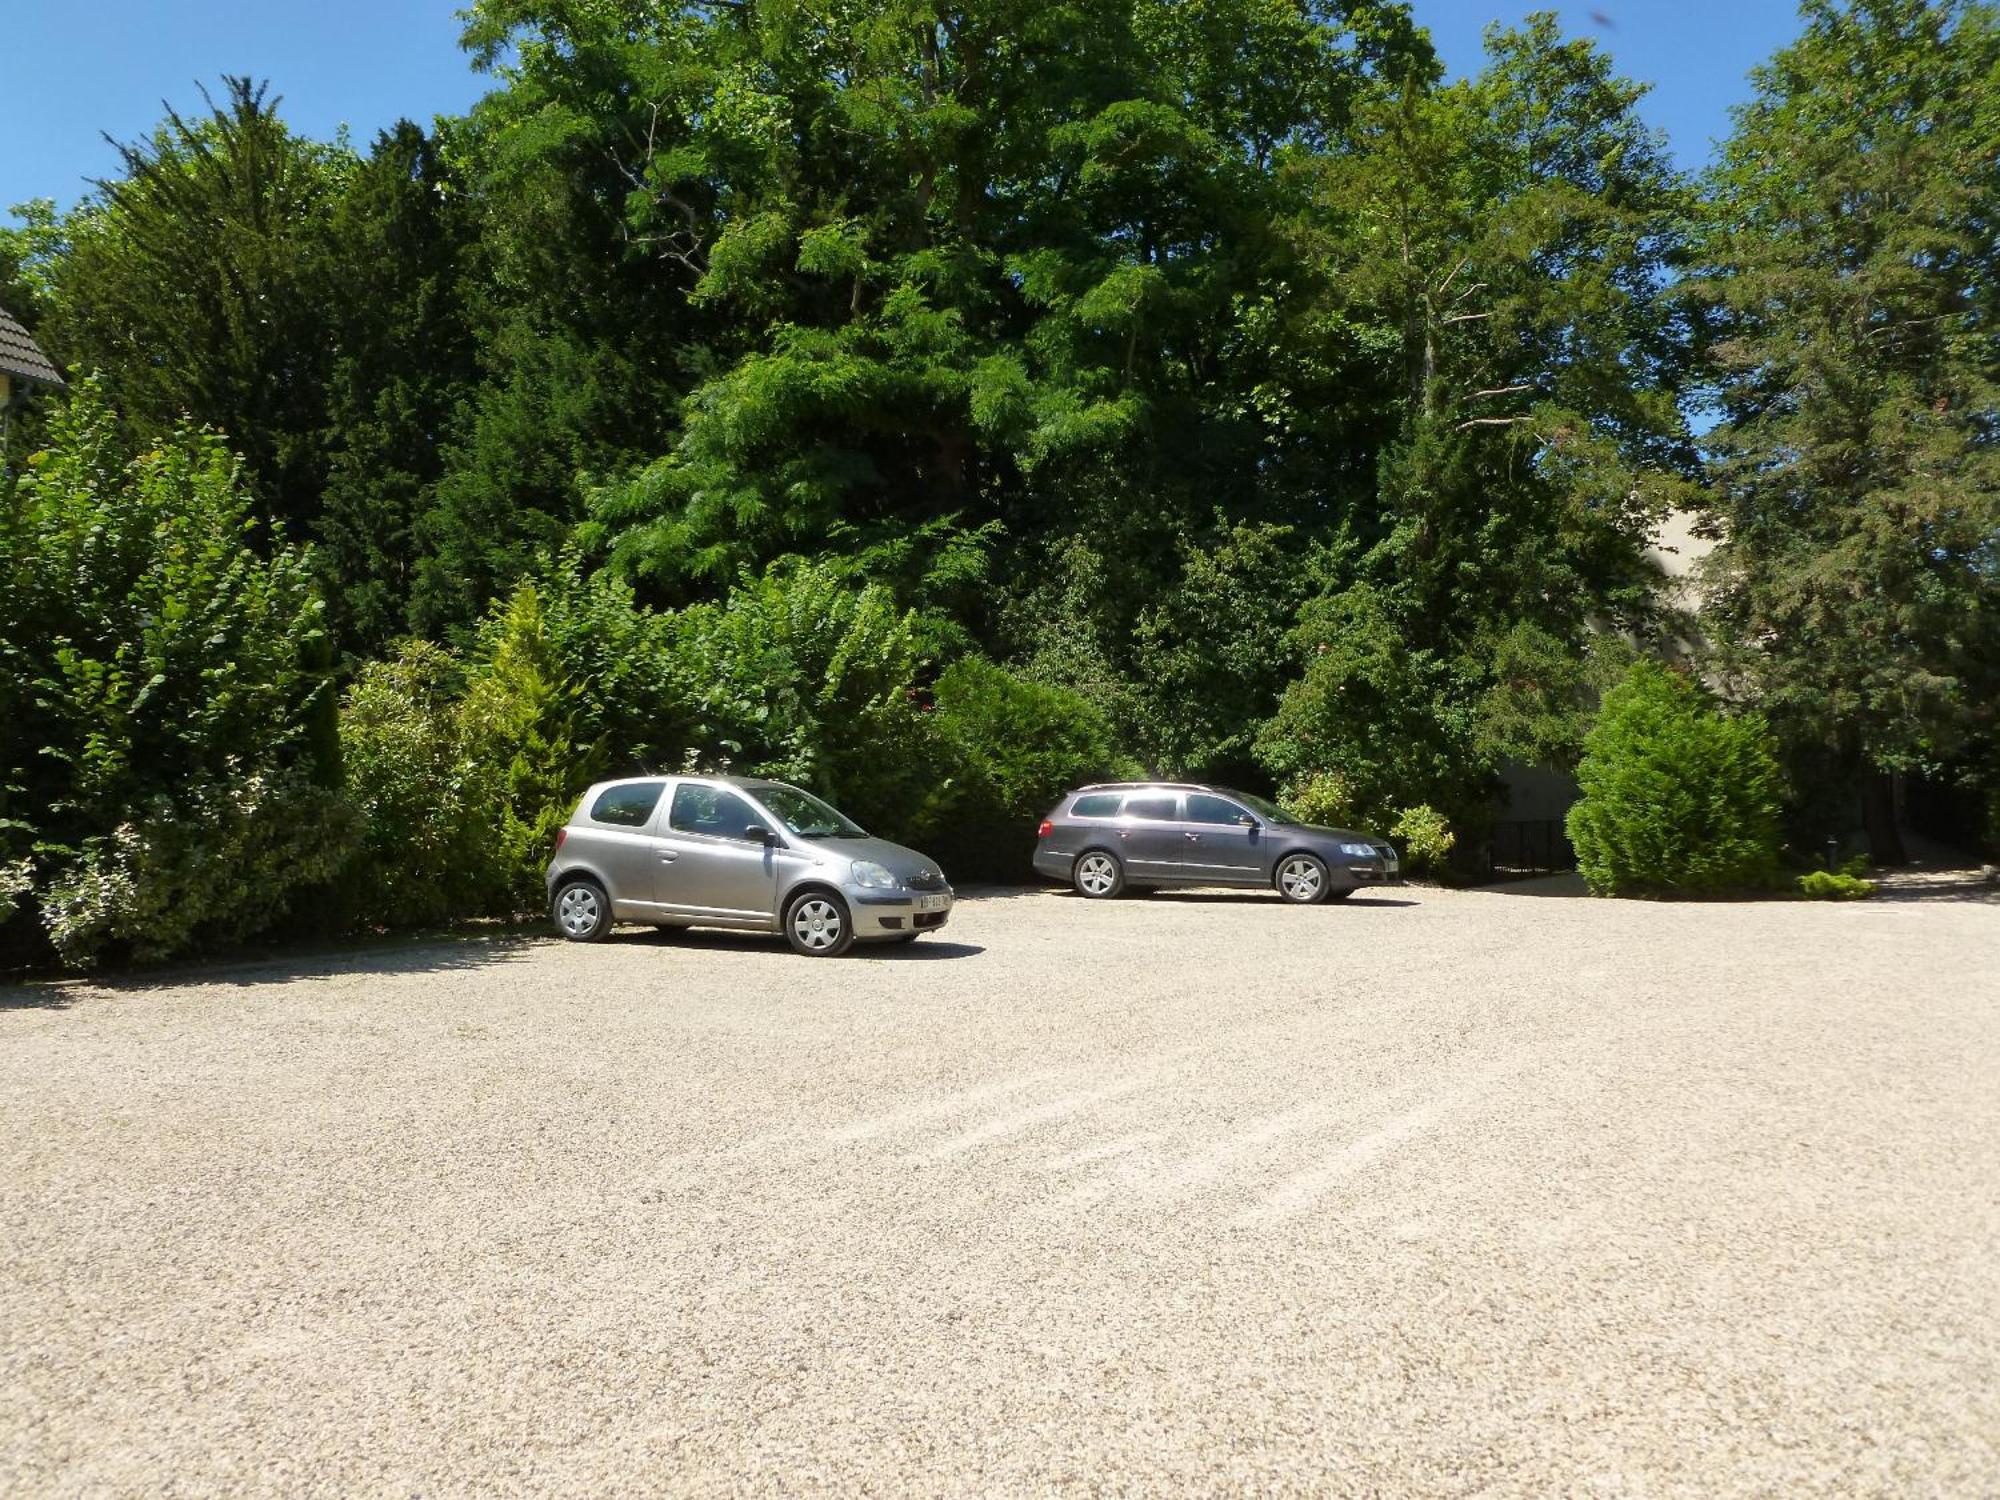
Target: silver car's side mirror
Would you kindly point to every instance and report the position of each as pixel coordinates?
(757, 833)
(1247, 821)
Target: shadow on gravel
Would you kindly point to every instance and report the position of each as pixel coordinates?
(1937, 885)
(720, 940)
(425, 955)
(1205, 897)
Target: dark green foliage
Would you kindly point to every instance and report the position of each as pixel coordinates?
(1679, 797)
(403, 233)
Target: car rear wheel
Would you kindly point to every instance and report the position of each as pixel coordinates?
(1302, 880)
(1097, 875)
(817, 924)
(582, 911)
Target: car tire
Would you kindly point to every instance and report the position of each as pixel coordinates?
(818, 924)
(1302, 879)
(1097, 875)
(582, 911)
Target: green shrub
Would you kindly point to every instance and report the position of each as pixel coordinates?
(166, 698)
(1008, 748)
(1677, 795)
(1834, 885)
(214, 864)
(426, 852)
(1321, 797)
(16, 880)
(1425, 836)
(527, 761)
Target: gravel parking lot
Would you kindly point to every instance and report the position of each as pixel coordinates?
(1434, 1192)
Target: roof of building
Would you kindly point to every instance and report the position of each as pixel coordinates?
(20, 357)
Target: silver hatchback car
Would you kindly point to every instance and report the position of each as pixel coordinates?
(732, 851)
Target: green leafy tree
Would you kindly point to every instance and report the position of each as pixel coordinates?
(1856, 482)
(1678, 796)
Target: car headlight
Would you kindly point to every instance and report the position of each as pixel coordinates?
(1358, 851)
(875, 877)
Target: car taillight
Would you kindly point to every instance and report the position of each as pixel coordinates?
(561, 834)
(1045, 830)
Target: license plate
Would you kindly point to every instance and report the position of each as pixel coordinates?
(933, 903)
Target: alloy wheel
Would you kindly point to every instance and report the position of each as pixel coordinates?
(1097, 874)
(1300, 879)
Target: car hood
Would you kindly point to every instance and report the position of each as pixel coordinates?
(905, 864)
(1341, 835)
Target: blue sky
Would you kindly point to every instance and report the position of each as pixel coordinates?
(70, 69)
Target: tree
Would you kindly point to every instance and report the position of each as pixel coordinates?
(1849, 258)
(199, 284)
(1517, 233)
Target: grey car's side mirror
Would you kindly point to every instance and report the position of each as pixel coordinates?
(1247, 821)
(757, 833)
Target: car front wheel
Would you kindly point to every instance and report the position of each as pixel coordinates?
(1302, 879)
(817, 924)
(1097, 875)
(582, 911)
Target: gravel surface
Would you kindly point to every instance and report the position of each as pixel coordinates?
(1441, 1193)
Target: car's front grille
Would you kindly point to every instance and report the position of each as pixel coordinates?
(1385, 851)
(925, 880)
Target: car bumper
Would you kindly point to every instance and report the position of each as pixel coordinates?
(1375, 872)
(881, 914)
(1053, 863)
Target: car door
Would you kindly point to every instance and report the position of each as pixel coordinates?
(1150, 835)
(1223, 840)
(617, 843)
(707, 865)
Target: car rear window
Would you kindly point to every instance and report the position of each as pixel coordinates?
(1096, 805)
(1154, 809)
(626, 806)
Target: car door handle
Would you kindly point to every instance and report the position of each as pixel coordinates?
(668, 856)
(1192, 838)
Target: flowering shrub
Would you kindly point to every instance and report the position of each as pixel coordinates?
(16, 880)
(217, 863)
(1425, 836)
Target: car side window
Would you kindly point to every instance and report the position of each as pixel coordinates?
(713, 811)
(1202, 808)
(1096, 805)
(626, 806)
(1154, 809)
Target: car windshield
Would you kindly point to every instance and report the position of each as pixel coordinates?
(804, 814)
(1263, 807)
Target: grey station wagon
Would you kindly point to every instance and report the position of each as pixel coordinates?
(730, 851)
(1106, 839)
